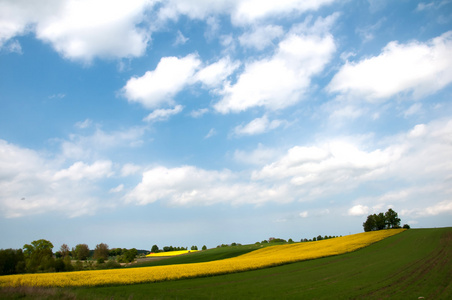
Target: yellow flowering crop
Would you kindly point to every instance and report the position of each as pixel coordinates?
(265, 257)
(170, 253)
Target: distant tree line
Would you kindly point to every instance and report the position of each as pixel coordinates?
(380, 221)
(38, 256)
(155, 248)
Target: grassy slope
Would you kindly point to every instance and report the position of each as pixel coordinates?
(415, 263)
(203, 256)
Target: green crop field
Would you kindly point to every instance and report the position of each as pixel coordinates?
(415, 264)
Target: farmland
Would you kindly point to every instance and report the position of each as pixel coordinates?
(412, 264)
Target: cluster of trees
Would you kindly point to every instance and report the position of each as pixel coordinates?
(39, 257)
(279, 240)
(155, 248)
(379, 221)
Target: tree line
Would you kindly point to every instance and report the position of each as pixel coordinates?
(380, 221)
(38, 256)
(155, 248)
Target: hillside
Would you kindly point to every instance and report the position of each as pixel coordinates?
(415, 263)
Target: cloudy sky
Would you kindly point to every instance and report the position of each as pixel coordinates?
(195, 122)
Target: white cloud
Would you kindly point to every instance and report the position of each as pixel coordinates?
(188, 185)
(44, 186)
(158, 87)
(80, 30)
(88, 146)
(216, 73)
(84, 124)
(257, 126)
(211, 133)
(163, 114)
(261, 37)
(130, 169)
(259, 156)
(304, 214)
(281, 80)
(250, 11)
(358, 210)
(180, 39)
(199, 112)
(417, 68)
(80, 171)
(242, 12)
(413, 109)
(117, 189)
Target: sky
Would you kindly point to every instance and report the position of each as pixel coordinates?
(195, 122)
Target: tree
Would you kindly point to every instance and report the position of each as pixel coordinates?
(129, 255)
(204, 247)
(381, 221)
(38, 255)
(11, 261)
(155, 249)
(64, 250)
(194, 248)
(101, 252)
(81, 251)
(389, 219)
(392, 219)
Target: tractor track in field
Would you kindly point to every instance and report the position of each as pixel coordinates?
(416, 273)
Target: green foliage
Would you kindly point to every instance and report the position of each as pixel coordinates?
(406, 226)
(194, 248)
(128, 255)
(204, 247)
(39, 256)
(380, 221)
(155, 249)
(12, 261)
(81, 251)
(101, 252)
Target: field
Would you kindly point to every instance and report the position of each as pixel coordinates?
(415, 263)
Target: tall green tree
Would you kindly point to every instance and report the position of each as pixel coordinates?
(371, 223)
(81, 251)
(101, 252)
(392, 219)
(155, 249)
(38, 255)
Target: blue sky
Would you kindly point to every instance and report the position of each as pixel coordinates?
(191, 122)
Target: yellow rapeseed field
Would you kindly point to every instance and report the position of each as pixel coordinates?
(265, 257)
(170, 253)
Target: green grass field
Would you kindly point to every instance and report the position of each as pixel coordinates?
(413, 264)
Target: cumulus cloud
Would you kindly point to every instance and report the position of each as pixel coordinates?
(257, 126)
(241, 12)
(31, 184)
(216, 73)
(80, 170)
(261, 37)
(163, 114)
(358, 210)
(416, 68)
(259, 156)
(250, 11)
(189, 185)
(281, 80)
(80, 30)
(158, 87)
(79, 146)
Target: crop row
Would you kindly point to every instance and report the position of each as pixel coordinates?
(265, 257)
